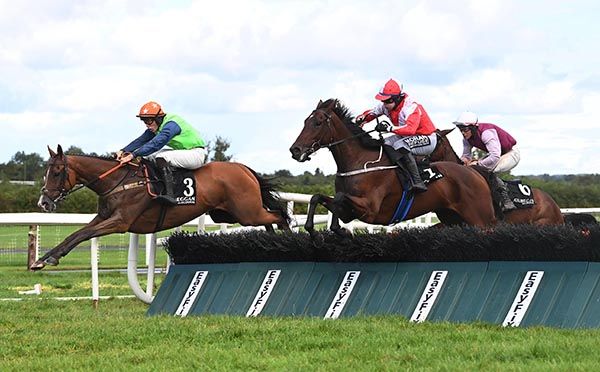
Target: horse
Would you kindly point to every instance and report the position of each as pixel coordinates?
(545, 211)
(229, 192)
(372, 194)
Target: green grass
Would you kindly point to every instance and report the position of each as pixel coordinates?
(72, 335)
(41, 333)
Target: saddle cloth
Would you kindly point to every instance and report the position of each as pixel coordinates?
(184, 184)
(520, 193)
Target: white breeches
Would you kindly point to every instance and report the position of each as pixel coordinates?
(188, 159)
(508, 161)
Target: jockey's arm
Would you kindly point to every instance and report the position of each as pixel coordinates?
(168, 131)
(366, 117)
(138, 142)
(492, 144)
(411, 126)
(466, 154)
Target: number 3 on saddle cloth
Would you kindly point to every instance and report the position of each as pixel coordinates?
(429, 174)
(184, 183)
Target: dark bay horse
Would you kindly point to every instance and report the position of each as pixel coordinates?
(228, 192)
(366, 184)
(544, 212)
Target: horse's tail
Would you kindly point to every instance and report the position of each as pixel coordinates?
(268, 192)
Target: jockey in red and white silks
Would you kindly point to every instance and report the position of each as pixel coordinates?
(413, 129)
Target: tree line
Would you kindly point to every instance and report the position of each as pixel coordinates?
(569, 191)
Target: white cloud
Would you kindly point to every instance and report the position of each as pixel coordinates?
(77, 73)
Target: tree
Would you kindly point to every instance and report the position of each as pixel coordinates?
(220, 148)
(24, 167)
(74, 150)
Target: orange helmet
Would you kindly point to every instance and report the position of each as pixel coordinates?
(390, 89)
(150, 110)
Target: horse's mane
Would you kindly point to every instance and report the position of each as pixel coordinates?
(347, 118)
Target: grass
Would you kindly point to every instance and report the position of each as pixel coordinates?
(72, 335)
(41, 333)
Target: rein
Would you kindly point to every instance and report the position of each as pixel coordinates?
(317, 145)
(64, 193)
(365, 169)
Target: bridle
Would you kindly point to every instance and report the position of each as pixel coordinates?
(317, 144)
(63, 191)
(64, 175)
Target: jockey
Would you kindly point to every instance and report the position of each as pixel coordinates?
(187, 147)
(413, 131)
(502, 154)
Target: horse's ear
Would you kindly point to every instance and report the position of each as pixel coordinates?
(333, 103)
(320, 103)
(52, 153)
(60, 151)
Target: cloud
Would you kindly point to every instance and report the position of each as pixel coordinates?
(77, 73)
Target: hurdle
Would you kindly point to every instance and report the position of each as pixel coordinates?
(515, 276)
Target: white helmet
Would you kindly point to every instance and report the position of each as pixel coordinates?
(466, 118)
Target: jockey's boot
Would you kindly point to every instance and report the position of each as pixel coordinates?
(506, 202)
(410, 164)
(404, 159)
(167, 197)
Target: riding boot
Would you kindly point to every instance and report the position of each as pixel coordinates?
(408, 162)
(167, 197)
(506, 203)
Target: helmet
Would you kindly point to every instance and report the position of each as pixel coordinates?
(150, 110)
(466, 118)
(390, 89)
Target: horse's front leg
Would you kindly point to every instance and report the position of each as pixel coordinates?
(334, 205)
(339, 206)
(316, 199)
(97, 227)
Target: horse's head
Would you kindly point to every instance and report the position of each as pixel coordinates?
(57, 181)
(443, 150)
(317, 131)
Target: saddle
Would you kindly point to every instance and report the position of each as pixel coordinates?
(184, 183)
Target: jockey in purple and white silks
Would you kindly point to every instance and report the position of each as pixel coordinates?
(500, 146)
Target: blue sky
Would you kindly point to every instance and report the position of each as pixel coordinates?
(76, 73)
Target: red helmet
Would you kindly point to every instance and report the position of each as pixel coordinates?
(390, 89)
(150, 110)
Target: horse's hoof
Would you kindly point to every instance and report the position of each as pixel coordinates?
(343, 233)
(37, 265)
(51, 261)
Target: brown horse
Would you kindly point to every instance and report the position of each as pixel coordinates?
(228, 192)
(373, 194)
(545, 211)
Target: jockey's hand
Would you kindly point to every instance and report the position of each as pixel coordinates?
(382, 127)
(119, 154)
(126, 158)
(360, 119)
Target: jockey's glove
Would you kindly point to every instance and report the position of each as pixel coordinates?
(382, 127)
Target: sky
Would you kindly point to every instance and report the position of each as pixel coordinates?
(76, 73)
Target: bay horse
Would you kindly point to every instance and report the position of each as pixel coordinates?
(372, 194)
(228, 192)
(545, 211)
